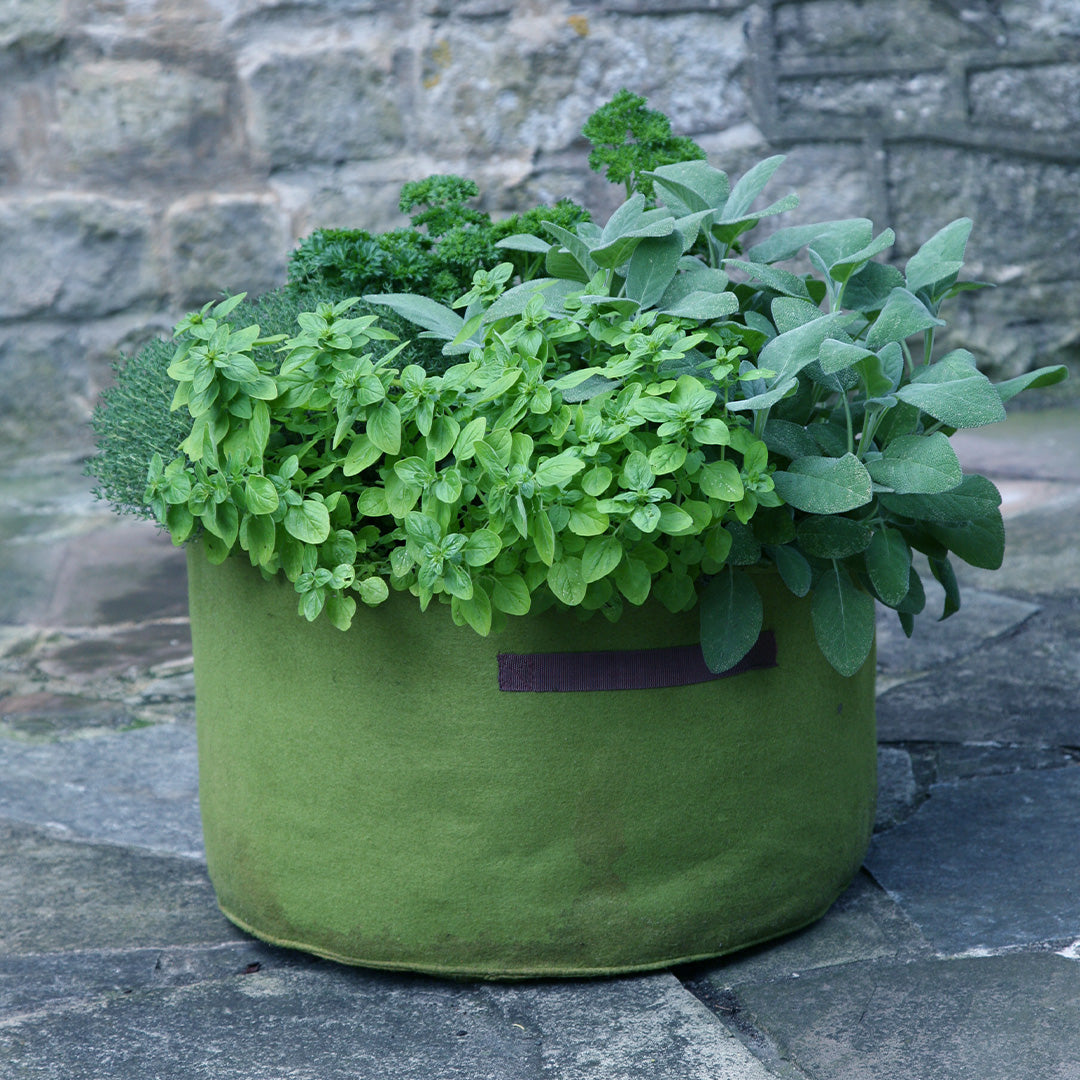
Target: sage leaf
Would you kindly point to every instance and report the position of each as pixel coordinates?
(833, 537)
(946, 576)
(904, 314)
(978, 543)
(794, 570)
(1044, 376)
(843, 619)
(731, 614)
(703, 306)
(917, 465)
(696, 183)
(955, 392)
(940, 258)
(432, 316)
(651, 269)
(824, 485)
(788, 353)
(973, 499)
(888, 563)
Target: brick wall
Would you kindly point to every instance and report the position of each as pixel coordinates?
(155, 152)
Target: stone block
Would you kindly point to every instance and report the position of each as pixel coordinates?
(1024, 209)
(1021, 687)
(863, 924)
(1037, 22)
(988, 863)
(881, 100)
(985, 1018)
(292, 1021)
(136, 788)
(52, 371)
(868, 33)
(526, 84)
(59, 895)
(1036, 98)
(74, 255)
(31, 25)
(225, 243)
(330, 106)
(135, 118)
(359, 195)
(897, 787)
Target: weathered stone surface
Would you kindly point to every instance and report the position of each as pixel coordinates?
(31, 980)
(982, 617)
(36, 399)
(1037, 98)
(541, 78)
(45, 716)
(57, 895)
(74, 255)
(1035, 22)
(902, 98)
(898, 790)
(1008, 449)
(991, 1018)
(1022, 687)
(872, 33)
(329, 106)
(124, 570)
(361, 196)
(141, 117)
(864, 924)
(1009, 197)
(138, 788)
(31, 24)
(334, 1023)
(988, 862)
(225, 243)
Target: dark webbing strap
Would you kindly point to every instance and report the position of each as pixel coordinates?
(629, 669)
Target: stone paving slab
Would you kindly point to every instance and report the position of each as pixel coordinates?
(982, 617)
(1021, 687)
(989, 862)
(864, 924)
(56, 894)
(137, 787)
(326, 1022)
(32, 980)
(1014, 1017)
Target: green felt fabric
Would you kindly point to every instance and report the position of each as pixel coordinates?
(372, 796)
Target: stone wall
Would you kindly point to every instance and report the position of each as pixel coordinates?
(156, 152)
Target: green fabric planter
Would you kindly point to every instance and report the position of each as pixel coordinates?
(374, 797)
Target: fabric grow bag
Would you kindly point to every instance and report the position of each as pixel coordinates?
(374, 797)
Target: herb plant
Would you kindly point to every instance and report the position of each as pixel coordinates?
(629, 139)
(651, 408)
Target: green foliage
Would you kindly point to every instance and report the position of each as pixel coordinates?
(133, 421)
(437, 257)
(629, 140)
(651, 407)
